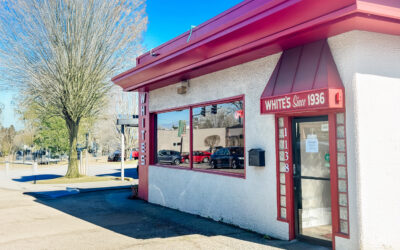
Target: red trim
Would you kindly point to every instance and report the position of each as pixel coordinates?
(288, 175)
(244, 136)
(334, 172)
(191, 137)
(200, 104)
(240, 35)
(218, 172)
(278, 179)
(190, 107)
(334, 180)
(290, 184)
(145, 151)
(151, 138)
(347, 183)
(333, 175)
(221, 19)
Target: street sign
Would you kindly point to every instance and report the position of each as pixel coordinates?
(129, 122)
(182, 128)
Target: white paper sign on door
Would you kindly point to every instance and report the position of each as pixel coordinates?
(312, 144)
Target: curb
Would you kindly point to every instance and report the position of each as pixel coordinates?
(71, 191)
(88, 190)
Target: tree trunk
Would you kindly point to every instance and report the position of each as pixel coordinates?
(73, 170)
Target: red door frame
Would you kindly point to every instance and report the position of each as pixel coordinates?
(290, 218)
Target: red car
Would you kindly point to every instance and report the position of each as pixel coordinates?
(201, 156)
(135, 154)
(185, 158)
(198, 157)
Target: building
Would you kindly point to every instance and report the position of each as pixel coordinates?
(316, 85)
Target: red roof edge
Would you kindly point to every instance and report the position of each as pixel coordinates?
(254, 29)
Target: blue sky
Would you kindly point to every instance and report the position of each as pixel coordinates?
(167, 19)
(7, 117)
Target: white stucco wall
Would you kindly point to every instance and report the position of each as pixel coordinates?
(369, 65)
(249, 203)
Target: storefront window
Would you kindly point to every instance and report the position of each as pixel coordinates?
(218, 141)
(173, 139)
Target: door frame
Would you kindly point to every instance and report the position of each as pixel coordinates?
(296, 160)
(288, 205)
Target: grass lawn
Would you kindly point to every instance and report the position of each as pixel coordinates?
(64, 180)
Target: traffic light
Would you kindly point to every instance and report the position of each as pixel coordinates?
(214, 109)
(203, 111)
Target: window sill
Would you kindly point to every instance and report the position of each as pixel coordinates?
(216, 172)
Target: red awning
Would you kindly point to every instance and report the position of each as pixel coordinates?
(305, 78)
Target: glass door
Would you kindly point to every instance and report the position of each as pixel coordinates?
(312, 179)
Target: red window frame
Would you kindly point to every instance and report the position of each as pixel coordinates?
(191, 107)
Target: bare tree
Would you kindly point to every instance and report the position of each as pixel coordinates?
(127, 105)
(212, 141)
(62, 53)
(106, 131)
(7, 137)
(1, 111)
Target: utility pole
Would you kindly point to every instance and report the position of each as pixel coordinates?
(125, 121)
(86, 154)
(122, 152)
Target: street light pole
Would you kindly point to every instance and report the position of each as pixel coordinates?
(86, 154)
(122, 152)
(125, 121)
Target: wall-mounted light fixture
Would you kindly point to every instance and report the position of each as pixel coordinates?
(182, 87)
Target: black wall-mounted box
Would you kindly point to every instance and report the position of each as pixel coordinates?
(257, 157)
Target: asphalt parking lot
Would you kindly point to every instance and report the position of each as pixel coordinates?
(109, 220)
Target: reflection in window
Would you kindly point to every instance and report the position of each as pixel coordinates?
(173, 143)
(218, 141)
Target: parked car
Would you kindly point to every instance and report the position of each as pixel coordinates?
(41, 157)
(135, 153)
(169, 156)
(201, 156)
(185, 157)
(55, 159)
(43, 160)
(229, 157)
(116, 156)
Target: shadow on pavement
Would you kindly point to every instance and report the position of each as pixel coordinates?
(129, 172)
(39, 177)
(141, 220)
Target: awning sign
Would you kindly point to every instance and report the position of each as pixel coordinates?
(308, 100)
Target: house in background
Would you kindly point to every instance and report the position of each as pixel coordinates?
(316, 86)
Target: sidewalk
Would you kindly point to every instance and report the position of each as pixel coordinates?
(109, 220)
(58, 190)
